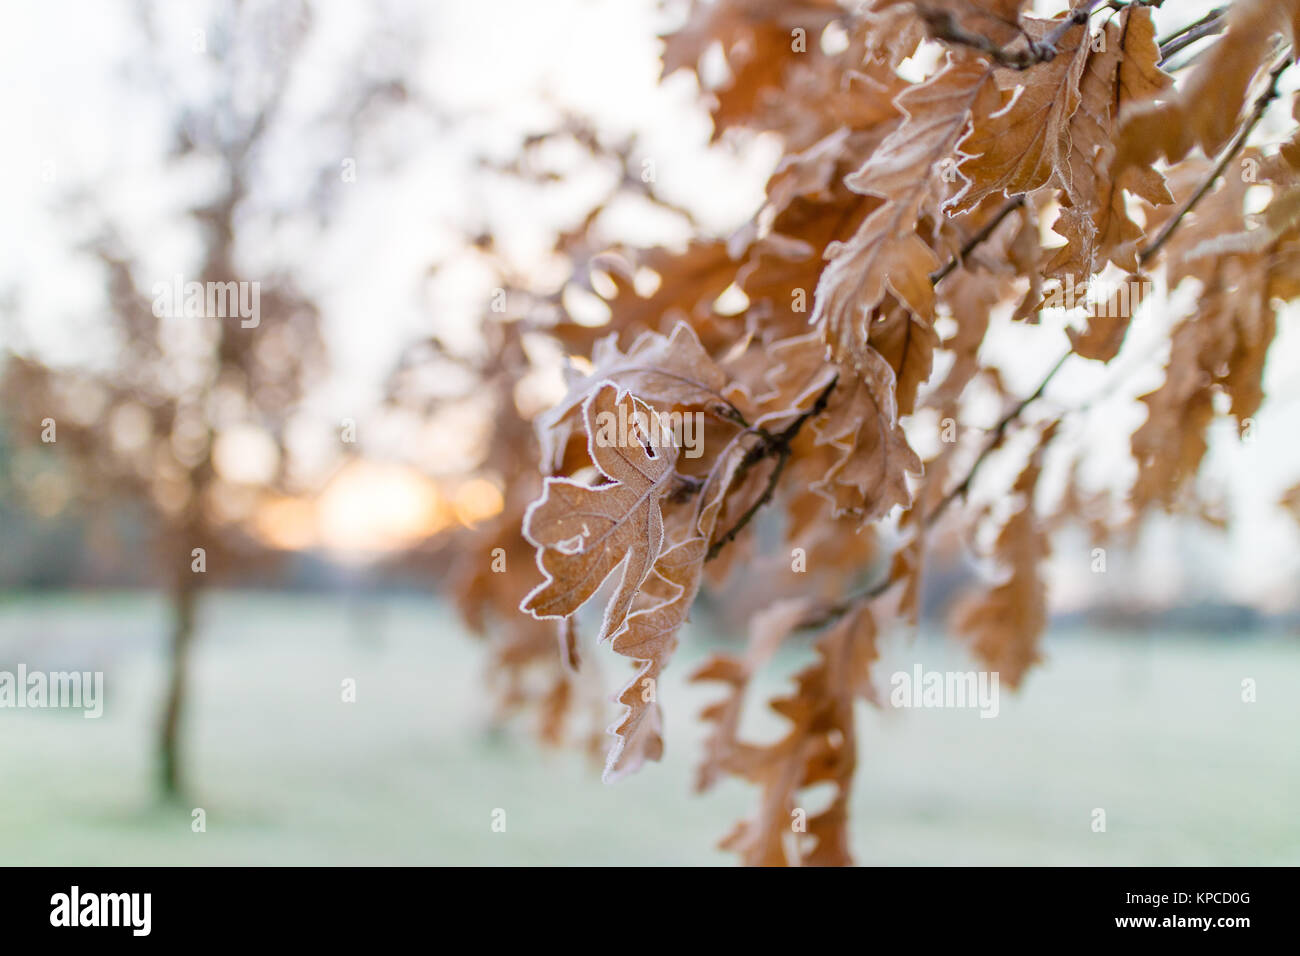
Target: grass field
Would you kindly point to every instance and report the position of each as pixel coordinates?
(1152, 730)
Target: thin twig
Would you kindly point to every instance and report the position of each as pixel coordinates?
(782, 457)
(943, 26)
(999, 433)
(1195, 31)
(1231, 150)
(779, 444)
(769, 444)
(1191, 60)
(1209, 25)
(987, 230)
(832, 612)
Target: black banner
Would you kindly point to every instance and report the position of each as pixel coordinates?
(335, 905)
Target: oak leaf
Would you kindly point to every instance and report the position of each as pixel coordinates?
(659, 611)
(861, 423)
(819, 746)
(756, 41)
(1025, 143)
(650, 637)
(1109, 319)
(768, 630)
(887, 255)
(667, 371)
(1094, 216)
(583, 533)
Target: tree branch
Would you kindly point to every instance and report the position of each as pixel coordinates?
(1231, 150)
(944, 26)
(782, 457)
(831, 612)
(985, 231)
(1209, 25)
(770, 444)
(999, 432)
(779, 444)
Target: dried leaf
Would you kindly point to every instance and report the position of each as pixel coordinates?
(1025, 143)
(1108, 320)
(887, 256)
(583, 533)
(668, 372)
(1094, 216)
(819, 746)
(861, 423)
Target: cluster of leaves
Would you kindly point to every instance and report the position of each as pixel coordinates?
(907, 214)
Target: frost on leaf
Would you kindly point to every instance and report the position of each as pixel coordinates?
(584, 532)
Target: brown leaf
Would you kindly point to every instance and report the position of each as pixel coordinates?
(660, 609)
(1094, 216)
(1025, 142)
(768, 630)
(861, 423)
(690, 281)
(797, 373)
(650, 638)
(757, 42)
(669, 372)
(1108, 321)
(907, 342)
(584, 533)
(819, 746)
(1290, 502)
(878, 261)
(1170, 444)
(886, 255)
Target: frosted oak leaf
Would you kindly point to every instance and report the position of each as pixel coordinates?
(583, 533)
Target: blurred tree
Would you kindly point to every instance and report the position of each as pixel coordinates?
(187, 419)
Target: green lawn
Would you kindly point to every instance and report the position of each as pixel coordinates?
(1151, 730)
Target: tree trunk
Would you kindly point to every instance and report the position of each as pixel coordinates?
(184, 598)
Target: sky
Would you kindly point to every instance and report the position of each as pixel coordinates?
(496, 70)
